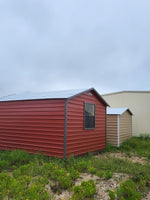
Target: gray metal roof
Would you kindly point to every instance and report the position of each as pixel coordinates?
(42, 95)
(117, 111)
(63, 94)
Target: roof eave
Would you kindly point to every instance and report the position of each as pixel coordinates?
(88, 90)
(126, 91)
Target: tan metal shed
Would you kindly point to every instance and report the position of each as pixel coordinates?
(138, 102)
(119, 125)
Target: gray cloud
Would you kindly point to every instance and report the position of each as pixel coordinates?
(47, 45)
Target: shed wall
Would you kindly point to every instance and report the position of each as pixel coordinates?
(80, 140)
(139, 103)
(33, 125)
(112, 134)
(125, 124)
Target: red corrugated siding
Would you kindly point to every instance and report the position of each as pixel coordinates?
(34, 125)
(80, 140)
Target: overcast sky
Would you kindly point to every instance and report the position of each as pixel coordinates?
(55, 45)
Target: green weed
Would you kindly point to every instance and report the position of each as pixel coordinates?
(64, 182)
(18, 157)
(82, 166)
(4, 164)
(145, 137)
(137, 145)
(86, 190)
(110, 148)
(58, 172)
(111, 195)
(37, 192)
(30, 174)
(108, 175)
(73, 174)
(5, 181)
(92, 170)
(100, 174)
(128, 191)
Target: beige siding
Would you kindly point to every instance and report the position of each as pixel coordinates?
(112, 129)
(125, 126)
(138, 103)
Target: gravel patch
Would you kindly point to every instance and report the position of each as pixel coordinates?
(147, 197)
(65, 195)
(132, 158)
(102, 185)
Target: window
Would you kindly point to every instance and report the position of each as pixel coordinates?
(89, 116)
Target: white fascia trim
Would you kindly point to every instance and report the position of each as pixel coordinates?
(118, 143)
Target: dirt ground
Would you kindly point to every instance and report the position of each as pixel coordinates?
(132, 158)
(103, 185)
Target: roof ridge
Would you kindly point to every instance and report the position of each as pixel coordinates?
(61, 94)
(127, 91)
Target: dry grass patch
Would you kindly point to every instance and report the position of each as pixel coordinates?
(133, 158)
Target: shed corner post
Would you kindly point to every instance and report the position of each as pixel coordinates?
(118, 141)
(131, 127)
(106, 127)
(65, 128)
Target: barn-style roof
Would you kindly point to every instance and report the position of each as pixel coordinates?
(62, 94)
(117, 111)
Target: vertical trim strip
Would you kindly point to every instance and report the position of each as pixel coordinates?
(105, 126)
(131, 127)
(118, 130)
(65, 127)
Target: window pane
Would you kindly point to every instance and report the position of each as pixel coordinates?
(89, 109)
(89, 115)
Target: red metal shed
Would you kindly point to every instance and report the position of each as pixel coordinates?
(58, 124)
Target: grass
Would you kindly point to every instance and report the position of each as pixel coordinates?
(138, 145)
(26, 176)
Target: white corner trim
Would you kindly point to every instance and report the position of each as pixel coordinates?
(118, 143)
